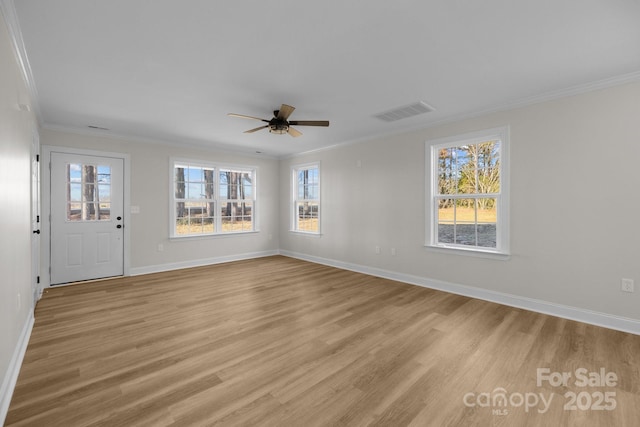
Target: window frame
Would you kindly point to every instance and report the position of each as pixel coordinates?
(294, 225)
(502, 249)
(217, 198)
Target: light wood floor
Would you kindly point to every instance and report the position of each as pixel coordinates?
(281, 342)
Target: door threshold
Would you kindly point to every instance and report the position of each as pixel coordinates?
(82, 282)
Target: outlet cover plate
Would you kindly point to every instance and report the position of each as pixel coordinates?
(627, 285)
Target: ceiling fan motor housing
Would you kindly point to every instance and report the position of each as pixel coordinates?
(278, 126)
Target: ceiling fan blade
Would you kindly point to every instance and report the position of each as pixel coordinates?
(285, 111)
(324, 123)
(256, 129)
(294, 132)
(242, 116)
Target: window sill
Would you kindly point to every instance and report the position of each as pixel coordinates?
(478, 253)
(217, 235)
(306, 233)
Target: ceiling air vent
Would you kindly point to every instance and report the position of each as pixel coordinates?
(404, 112)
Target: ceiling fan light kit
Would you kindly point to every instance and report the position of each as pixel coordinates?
(277, 127)
(279, 123)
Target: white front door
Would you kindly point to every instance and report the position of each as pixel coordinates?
(87, 206)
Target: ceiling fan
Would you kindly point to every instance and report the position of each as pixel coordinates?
(279, 123)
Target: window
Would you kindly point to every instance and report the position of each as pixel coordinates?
(306, 199)
(468, 203)
(88, 192)
(209, 199)
(236, 200)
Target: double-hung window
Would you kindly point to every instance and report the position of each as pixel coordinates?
(306, 199)
(469, 197)
(210, 199)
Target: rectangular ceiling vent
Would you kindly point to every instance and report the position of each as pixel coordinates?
(405, 112)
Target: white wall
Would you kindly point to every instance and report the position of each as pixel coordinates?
(15, 213)
(575, 203)
(150, 177)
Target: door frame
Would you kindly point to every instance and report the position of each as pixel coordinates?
(36, 223)
(45, 177)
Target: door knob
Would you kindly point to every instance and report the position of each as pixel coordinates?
(119, 218)
(119, 226)
(36, 231)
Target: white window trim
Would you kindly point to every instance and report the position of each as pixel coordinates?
(502, 250)
(216, 166)
(292, 201)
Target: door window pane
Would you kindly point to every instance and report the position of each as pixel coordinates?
(88, 192)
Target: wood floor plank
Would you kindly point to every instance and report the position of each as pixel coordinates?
(277, 341)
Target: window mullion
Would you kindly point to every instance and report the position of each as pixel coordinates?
(475, 221)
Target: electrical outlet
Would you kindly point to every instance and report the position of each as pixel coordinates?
(393, 251)
(627, 285)
(378, 250)
(160, 247)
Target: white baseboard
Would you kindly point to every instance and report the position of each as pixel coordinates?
(11, 375)
(567, 312)
(199, 262)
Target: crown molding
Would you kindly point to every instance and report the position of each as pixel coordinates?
(184, 143)
(8, 10)
(521, 103)
(549, 96)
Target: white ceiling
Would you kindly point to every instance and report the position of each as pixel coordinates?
(171, 70)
